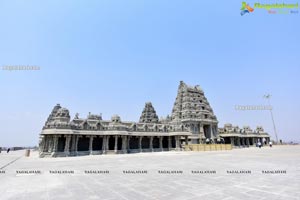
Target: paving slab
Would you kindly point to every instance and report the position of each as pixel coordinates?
(30, 178)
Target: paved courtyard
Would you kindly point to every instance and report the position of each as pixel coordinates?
(236, 174)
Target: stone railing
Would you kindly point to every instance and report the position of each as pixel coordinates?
(207, 147)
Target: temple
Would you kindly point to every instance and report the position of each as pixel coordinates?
(192, 122)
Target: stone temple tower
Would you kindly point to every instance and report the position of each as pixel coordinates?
(148, 114)
(193, 110)
(53, 113)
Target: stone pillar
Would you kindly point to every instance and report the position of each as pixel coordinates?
(55, 142)
(50, 142)
(177, 142)
(201, 134)
(124, 148)
(151, 143)
(169, 142)
(128, 143)
(76, 144)
(232, 141)
(116, 144)
(247, 142)
(42, 144)
(103, 144)
(140, 143)
(214, 131)
(160, 143)
(187, 140)
(106, 142)
(46, 144)
(73, 143)
(91, 144)
(239, 141)
(211, 132)
(67, 145)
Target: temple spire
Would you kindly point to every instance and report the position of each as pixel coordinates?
(149, 114)
(191, 103)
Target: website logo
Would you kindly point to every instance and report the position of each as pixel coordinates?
(246, 8)
(278, 8)
(271, 8)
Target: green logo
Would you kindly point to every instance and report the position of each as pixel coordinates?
(246, 8)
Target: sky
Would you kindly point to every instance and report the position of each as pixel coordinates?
(112, 56)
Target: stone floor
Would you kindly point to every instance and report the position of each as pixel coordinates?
(153, 185)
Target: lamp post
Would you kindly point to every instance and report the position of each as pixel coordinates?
(268, 96)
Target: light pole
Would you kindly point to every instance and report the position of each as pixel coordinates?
(268, 96)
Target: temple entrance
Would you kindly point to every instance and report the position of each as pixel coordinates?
(134, 142)
(61, 144)
(97, 143)
(165, 143)
(119, 143)
(83, 143)
(155, 142)
(111, 143)
(207, 131)
(145, 143)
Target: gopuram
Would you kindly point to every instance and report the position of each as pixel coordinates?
(192, 122)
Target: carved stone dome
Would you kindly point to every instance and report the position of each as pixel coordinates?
(116, 119)
(63, 112)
